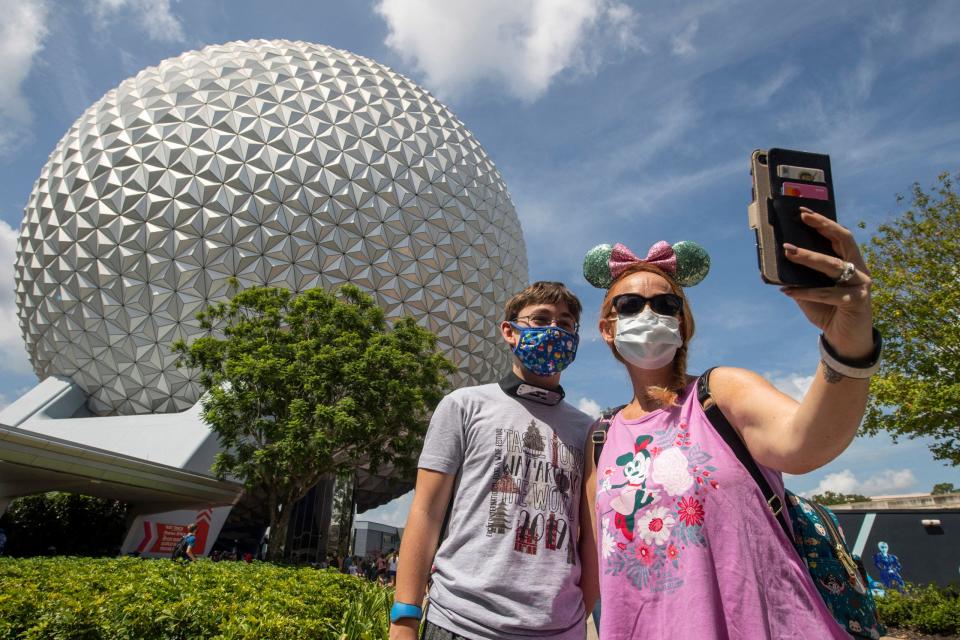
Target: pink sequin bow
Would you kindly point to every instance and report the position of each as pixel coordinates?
(660, 255)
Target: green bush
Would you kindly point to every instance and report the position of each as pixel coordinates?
(133, 599)
(928, 609)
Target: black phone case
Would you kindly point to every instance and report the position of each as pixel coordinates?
(784, 216)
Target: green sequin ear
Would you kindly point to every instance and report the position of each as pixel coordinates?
(596, 266)
(693, 263)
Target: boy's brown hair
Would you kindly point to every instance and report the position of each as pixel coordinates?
(543, 292)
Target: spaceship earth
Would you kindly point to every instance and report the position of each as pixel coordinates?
(276, 163)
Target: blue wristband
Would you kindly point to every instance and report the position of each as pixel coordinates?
(403, 610)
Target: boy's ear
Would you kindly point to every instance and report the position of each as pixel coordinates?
(509, 333)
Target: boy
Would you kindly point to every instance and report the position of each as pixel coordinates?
(511, 455)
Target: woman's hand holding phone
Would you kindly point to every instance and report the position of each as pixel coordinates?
(842, 312)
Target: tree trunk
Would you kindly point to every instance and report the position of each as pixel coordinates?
(278, 541)
(344, 504)
(279, 521)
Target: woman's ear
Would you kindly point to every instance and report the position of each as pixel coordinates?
(608, 329)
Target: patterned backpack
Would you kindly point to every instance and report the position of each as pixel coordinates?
(819, 541)
(818, 537)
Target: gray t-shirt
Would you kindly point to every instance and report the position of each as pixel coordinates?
(508, 567)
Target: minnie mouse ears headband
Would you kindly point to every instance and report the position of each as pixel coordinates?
(687, 262)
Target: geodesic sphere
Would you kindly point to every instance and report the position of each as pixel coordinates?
(277, 163)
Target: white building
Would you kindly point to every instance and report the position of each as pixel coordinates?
(370, 538)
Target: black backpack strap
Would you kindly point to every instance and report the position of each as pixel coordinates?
(733, 440)
(599, 430)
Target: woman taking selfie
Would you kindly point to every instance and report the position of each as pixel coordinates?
(677, 536)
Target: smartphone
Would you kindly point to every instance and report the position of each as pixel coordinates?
(783, 181)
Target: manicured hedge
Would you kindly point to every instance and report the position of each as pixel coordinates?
(133, 599)
(928, 609)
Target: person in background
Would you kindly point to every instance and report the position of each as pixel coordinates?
(191, 540)
(392, 567)
(381, 568)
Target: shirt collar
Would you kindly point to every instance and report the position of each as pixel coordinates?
(515, 386)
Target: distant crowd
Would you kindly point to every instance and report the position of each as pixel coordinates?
(377, 567)
(218, 555)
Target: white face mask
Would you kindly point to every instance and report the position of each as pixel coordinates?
(647, 339)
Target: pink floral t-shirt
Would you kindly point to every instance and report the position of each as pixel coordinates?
(687, 545)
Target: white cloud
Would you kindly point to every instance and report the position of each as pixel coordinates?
(683, 41)
(589, 407)
(13, 355)
(623, 25)
(792, 384)
(394, 513)
(888, 481)
(521, 44)
(647, 195)
(154, 17)
(22, 32)
(940, 27)
(759, 95)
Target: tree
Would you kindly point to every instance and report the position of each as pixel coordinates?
(831, 497)
(942, 487)
(299, 387)
(915, 265)
(66, 524)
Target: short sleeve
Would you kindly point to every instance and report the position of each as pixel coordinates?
(444, 444)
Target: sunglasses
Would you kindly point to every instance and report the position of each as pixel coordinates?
(665, 304)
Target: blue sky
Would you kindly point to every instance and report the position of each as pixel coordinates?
(609, 121)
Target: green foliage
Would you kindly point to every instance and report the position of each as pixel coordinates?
(943, 487)
(132, 599)
(367, 617)
(927, 609)
(299, 387)
(831, 497)
(69, 523)
(915, 265)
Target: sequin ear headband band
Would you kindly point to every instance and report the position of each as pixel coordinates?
(687, 262)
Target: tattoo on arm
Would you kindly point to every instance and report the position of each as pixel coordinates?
(829, 375)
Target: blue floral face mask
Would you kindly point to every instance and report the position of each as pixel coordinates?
(545, 351)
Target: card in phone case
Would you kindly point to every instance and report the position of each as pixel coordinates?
(800, 190)
(804, 174)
